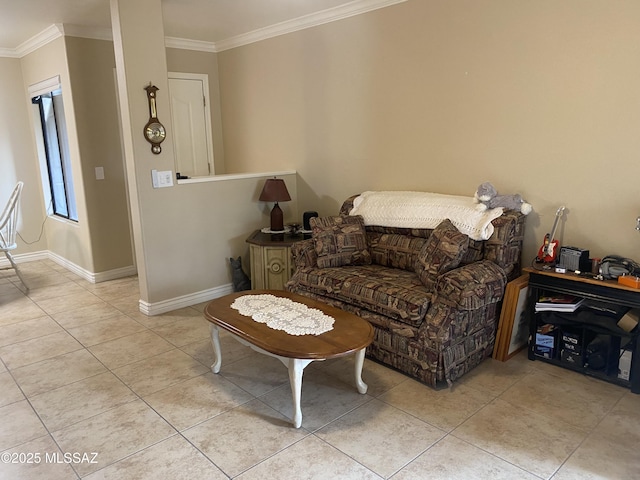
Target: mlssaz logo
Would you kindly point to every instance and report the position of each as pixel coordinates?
(71, 457)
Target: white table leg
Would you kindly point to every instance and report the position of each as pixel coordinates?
(217, 352)
(360, 385)
(296, 367)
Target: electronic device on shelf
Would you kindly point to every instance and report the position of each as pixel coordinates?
(574, 259)
(614, 266)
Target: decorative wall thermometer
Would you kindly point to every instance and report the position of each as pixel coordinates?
(154, 131)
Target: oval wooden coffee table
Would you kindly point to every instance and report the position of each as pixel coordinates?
(350, 334)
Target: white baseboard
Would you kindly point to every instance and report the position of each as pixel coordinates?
(115, 273)
(90, 276)
(164, 306)
(146, 308)
(72, 267)
(23, 258)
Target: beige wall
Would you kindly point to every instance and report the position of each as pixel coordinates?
(91, 67)
(186, 233)
(190, 61)
(205, 225)
(183, 234)
(18, 160)
(69, 240)
(100, 241)
(540, 98)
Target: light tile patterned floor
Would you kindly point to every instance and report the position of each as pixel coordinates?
(82, 371)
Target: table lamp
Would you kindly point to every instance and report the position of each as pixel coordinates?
(275, 190)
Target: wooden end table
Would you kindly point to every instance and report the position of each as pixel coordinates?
(270, 258)
(350, 334)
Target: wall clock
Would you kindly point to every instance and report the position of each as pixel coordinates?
(154, 131)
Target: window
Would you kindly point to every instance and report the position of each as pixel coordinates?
(55, 149)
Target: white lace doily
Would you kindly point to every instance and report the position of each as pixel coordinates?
(284, 314)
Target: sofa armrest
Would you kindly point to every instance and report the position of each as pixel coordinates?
(347, 205)
(304, 254)
(464, 300)
(471, 287)
(505, 245)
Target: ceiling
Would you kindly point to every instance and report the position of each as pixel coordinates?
(211, 21)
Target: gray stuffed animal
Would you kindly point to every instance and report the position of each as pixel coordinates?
(487, 197)
(239, 279)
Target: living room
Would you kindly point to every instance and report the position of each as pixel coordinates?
(532, 98)
(539, 98)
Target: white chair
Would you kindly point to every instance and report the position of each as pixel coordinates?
(8, 229)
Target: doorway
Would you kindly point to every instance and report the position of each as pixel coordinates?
(191, 122)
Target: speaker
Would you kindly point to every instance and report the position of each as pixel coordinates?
(573, 258)
(306, 216)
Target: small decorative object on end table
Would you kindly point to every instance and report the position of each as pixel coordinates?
(271, 262)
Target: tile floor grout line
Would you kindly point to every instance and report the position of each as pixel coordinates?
(204, 454)
(132, 454)
(520, 379)
(588, 430)
(347, 455)
(453, 435)
(588, 435)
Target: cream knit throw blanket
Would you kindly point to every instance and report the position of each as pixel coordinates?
(425, 210)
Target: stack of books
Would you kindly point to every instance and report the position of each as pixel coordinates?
(558, 303)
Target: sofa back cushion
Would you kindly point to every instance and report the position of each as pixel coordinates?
(340, 241)
(395, 250)
(474, 253)
(503, 248)
(442, 252)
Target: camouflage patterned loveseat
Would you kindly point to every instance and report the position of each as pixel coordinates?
(434, 318)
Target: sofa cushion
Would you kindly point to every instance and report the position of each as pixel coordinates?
(340, 241)
(393, 292)
(394, 250)
(474, 253)
(442, 252)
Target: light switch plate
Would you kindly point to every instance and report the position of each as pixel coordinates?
(161, 179)
(165, 178)
(99, 173)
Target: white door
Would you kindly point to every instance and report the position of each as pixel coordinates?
(189, 117)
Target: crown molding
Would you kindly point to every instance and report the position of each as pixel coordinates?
(49, 34)
(95, 33)
(8, 53)
(186, 44)
(53, 32)
(357, 7)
